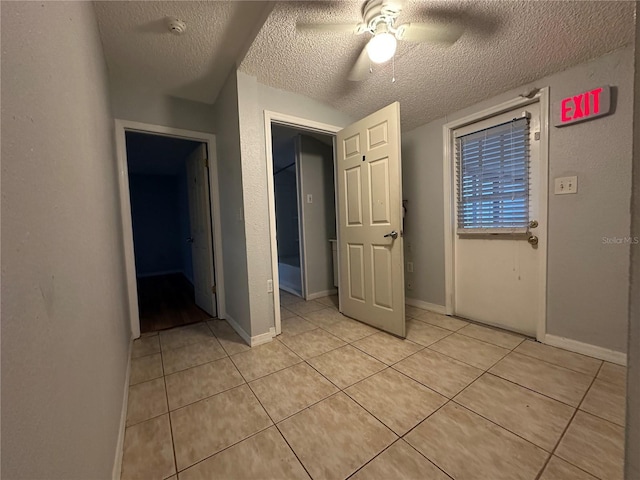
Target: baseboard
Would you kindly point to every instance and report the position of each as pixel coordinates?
(602, 353)
(156, 274)
(325, 293)
(117, 464)
(263, 338)
(426, 305)
(239, 330)
(288, 289)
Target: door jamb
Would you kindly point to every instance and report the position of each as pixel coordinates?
(448, 176)
(295, 122)
(302, 246)
(123, 126)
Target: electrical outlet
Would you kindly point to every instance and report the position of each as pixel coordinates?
(565, 185)
(269, 286)
(410, 267)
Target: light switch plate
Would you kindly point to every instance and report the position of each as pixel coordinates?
(565, 185)
(309, 198)
(410, 267)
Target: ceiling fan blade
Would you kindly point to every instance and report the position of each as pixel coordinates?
(328, 27)
(360, 69)
(430, 32)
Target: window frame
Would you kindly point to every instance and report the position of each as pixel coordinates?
(475, 127)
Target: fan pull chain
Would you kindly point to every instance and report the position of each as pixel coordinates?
(393, 64)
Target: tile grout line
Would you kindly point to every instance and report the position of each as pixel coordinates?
(548, 452)
(166, 394)
(373, 458)
(241, 440)
(343, 390)
(566, 428)
(486, 371)
(224, 449)
(561, 366)
(425, 457)
(292, 450)
(385, 367)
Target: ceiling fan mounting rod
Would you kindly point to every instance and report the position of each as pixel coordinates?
(381, 24)
(377, 13)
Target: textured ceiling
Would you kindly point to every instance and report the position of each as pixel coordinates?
(505, 44)
(156, 154)
(141, 53)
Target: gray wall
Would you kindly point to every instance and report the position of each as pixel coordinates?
(234, 250)
(65, 327)
(587, 280)
(142, 106)
(632, 468)
(316, 164)
(253, 99)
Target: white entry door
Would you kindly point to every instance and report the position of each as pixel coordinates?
(369, 214)
(498, 265)
(200, 219)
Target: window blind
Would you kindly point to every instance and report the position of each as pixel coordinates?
(492, 167)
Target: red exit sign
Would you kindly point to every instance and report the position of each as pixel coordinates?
(583, 106)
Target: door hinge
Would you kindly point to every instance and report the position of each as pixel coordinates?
(213, 289)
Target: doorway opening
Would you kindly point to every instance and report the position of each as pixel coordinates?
(171, 227)
(163, 205)
(305, 211)
(496, 215)
(302, 258)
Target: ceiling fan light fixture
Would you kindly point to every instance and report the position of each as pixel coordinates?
(382, 47)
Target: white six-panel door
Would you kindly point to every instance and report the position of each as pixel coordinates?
(369, 181)
(200, 219)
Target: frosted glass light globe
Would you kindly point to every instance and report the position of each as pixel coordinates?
(381, 47)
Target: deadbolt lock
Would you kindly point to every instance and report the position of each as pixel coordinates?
(533, 240)
(533, 224)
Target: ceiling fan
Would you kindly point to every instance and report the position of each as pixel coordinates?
(379, 20)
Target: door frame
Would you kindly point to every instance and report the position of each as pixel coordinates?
(541, 97)
(303, 124)
(121, 128)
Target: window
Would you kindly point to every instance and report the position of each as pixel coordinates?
(492, 167)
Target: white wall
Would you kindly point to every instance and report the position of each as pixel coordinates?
(234, 251)
(316, 164)
(587, 280)
(65, 328)
(143, 106)
(253, 99)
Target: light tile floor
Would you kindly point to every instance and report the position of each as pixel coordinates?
(332, 398)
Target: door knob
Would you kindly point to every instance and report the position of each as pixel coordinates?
(190, 240)
(533, 240)
(393, 234)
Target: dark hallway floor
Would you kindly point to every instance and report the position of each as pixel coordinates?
(167, 301)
